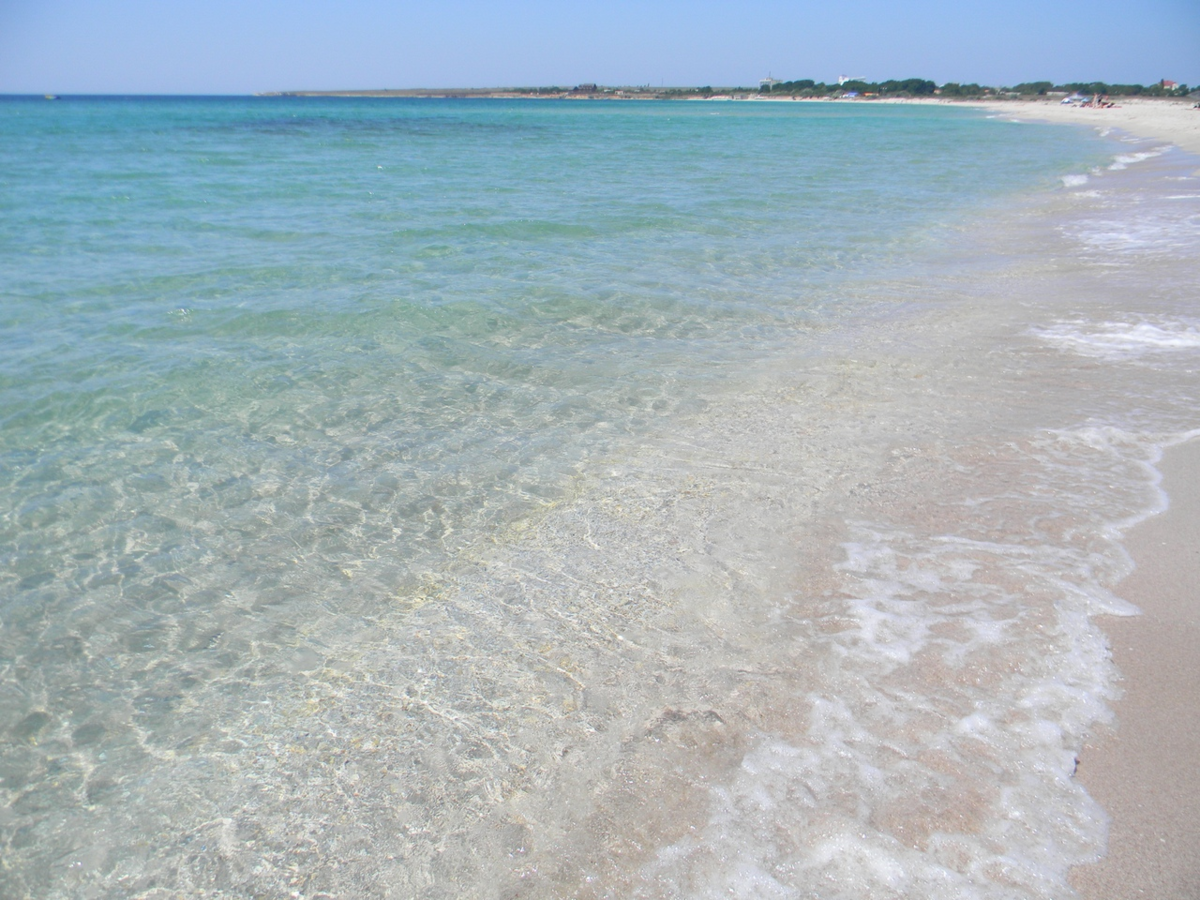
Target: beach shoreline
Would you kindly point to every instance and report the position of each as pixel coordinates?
(1142, 771)
(1141, 768)
(1175, 121)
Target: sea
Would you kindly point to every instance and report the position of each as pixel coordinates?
(472, 498)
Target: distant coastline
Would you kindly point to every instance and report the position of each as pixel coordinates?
(771, 89)
(580, 92)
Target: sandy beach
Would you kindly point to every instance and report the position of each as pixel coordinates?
(1143, 771)
(1169, 120)
(1176, 121)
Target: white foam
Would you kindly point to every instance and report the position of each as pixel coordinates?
(1127, 159)
(959, 676)
(824, 810)
(1074, 180)
(1155, 232)
(1121, 340)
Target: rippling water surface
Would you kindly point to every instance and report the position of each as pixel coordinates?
(487, 498)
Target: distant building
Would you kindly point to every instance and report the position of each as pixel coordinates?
(767, 83)
(584, 89)
(842, 79)
(1169, 85)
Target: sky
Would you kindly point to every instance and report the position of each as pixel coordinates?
(244, 46)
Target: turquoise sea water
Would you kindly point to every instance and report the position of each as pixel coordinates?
(276, 374)
(411, 318)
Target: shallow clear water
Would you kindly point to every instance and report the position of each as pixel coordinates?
(481, 498)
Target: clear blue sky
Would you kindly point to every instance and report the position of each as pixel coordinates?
(242, 46)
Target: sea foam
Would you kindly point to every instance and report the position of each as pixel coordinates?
(1121, 340)
(1125, 160)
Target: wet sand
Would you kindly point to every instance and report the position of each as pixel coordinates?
(1144, 771)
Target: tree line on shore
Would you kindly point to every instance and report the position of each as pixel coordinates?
(1159, 89)
(805, 87)
(921, 87)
